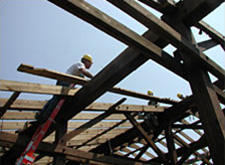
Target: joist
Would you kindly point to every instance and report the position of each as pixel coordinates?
(38, 105)
(72, 125)
(16, 115)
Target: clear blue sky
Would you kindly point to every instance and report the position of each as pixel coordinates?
(45, 36)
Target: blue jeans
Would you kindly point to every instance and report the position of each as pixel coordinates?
(51, 104)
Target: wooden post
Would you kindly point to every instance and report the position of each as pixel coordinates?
(170, 144)
(210, 112)
(61, 129)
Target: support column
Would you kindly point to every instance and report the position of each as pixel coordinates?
(61, 129)
(210, 112)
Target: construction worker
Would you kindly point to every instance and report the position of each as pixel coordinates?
(77, 69)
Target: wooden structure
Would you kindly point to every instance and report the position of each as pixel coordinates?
(117, 136)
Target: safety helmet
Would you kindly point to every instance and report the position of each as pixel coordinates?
(87, 57)
(150, 92)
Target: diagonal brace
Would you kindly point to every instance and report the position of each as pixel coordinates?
(145, 136)
(89, 124)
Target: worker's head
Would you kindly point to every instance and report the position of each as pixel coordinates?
(87, 60)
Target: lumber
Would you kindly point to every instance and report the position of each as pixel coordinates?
(81, 81)
(38, 105)
(72, 125)
(16, 86)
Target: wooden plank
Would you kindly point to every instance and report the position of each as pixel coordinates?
(78, 80)
(9, 103)
(214, 34)
(146, 137)
(168, 33)
(38, 105)
(72, 125)
(17, 86)
(92, 122)
(10, 139)
(52, 74)
(17, 115)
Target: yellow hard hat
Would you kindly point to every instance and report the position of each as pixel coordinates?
(150, 92)
(179, 95)
(87, 57)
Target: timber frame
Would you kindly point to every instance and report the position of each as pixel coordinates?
(117, 134)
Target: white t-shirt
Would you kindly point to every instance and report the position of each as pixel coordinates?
(75, 69)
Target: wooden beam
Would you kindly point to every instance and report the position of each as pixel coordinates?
(81, 81)
(9, 103)
(38, 105)
(214, 34)
(72, 125)
(61, 129)
(16, 86)
(168, 33)
(146, 137)
(187, 126)
(170, 144)
(193, 11)
(205, 45)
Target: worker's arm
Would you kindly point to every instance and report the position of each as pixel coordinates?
(86, 73)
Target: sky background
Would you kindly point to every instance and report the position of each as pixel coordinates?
(38, 33)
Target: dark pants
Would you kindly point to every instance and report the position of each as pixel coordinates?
(51, 104)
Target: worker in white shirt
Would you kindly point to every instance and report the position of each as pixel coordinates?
(77, 69)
